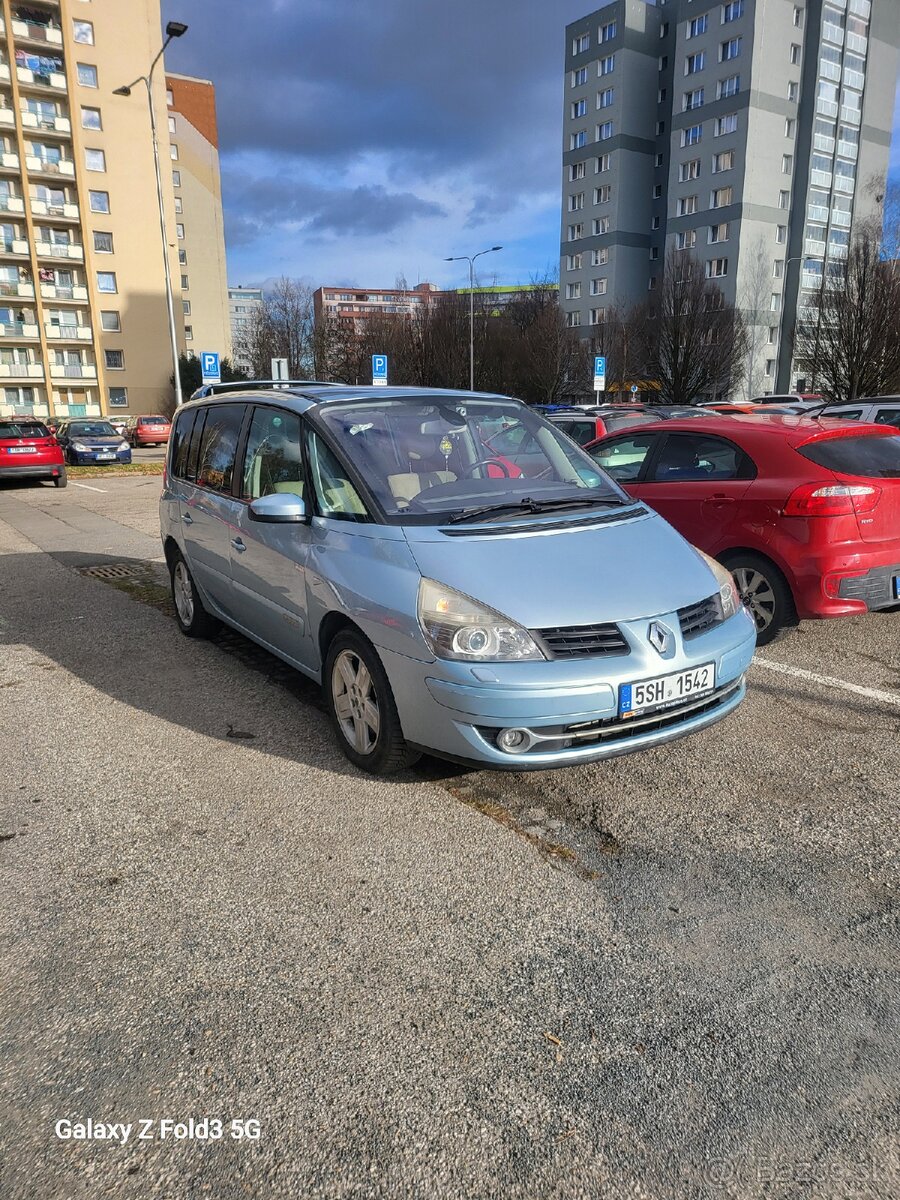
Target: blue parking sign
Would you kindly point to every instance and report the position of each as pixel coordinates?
(599, 373)
(209, 366)
(379, 370)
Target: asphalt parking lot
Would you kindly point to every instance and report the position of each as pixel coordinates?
(675, 974)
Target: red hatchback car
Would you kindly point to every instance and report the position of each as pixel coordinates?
(804, 512)
(28, 450)
(148, 431)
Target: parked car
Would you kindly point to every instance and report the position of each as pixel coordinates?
(804, 512)
(119, 424)
(148, 431)
(800, 399)
(879, 410)
(28, 450)
(521, 622)
(586, 426)
(87, 442)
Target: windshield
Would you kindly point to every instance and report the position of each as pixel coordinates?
(91, 429)
(23, 429)
(428, 459)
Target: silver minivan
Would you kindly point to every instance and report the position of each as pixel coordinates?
(456, 573)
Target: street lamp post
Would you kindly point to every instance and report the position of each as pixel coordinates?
(174, 29)
(471, 261)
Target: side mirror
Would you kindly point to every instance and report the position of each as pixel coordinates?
(280, 508)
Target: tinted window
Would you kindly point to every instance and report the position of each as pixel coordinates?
(273, 461)
(686, 456)
(628, 420)
(888, 416)
(846, 414)
(581, 431)
(218, 446)
(23, 429)
(181, 442)
(193, 453)
(624, 457)
(875, 457)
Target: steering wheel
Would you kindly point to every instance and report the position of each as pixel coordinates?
(491, 462)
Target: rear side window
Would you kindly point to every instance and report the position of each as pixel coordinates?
(181, 442)
(693, 458)
(218, 446)
(888, 416)
(580, 431)
(23, 429)
(873, 457)
(852, 414)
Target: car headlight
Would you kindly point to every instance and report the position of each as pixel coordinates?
(124, 446)
(81, 447)
(458, 627)
(728, 593)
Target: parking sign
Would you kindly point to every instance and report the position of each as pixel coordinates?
(599, 373)
(209, 367)
(379, 370)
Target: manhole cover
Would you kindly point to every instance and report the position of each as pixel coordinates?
(114, 571)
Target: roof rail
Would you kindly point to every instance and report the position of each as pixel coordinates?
(249, 385)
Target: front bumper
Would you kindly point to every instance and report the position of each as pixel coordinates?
(570, 708)
(83, 458)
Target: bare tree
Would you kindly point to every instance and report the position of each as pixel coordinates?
(753, 301)
(693, 342)
(848, 339)
(283, 326)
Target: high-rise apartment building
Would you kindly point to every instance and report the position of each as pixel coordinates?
(752, 133)
(83, 317)
(242, 301)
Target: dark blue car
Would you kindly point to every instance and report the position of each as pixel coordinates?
(95, 441)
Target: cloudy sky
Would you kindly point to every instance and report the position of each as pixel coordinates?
(362, 141)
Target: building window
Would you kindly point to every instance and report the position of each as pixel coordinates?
(716, 268)
(692, 135)
(575, 232)
(118, 397)
(579, 108)
(87, 75)
(179, 230)
(605, 98)
(577, 140)
(654, 253)
(600, 257)
(581, 43)
(601, 225)
(726, 124)
(664, 29)
(579, 77)
(795, 55)
(608, 32)
(695, 62)
(598, 316)
(575, 203)
(103, 242)
(686, 239)
(170, 97)
(171, 124)
(188, 333)
(573, 319)
(173, 152)
(573, 291)
(689, 170)
(94, 160)
(687, 205)
(660, 128)
(179, 208)
(661, 96)
(770, 366)
(787, 164)
(730, 49)
(606, 65)
(775, 304)
(573, 263)
(731, 12)
(604, 131)
(99, 201)
(182, 258)
(658, 161)
(598, 287)
(83, 32)
(576, 171)
(651, 284)
(798, 17)
(729, 87)
(654, 222)
(780, 234)
(115, 359)
(693, 99)
(603, 163)
(718, 233)
(657, 191)
(176, 178)
(186, 307)
(723, 161)
(721, 197)
(784, 199)
(109, 321)
(603, 194)
(663, 61)
(90, 118)
(792, 91)
(789, 126)
(184, 283)
(697, 26)
(778, 269)
(106, 281)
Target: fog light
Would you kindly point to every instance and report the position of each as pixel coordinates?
(515, 741)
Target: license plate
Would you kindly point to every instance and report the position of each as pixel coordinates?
(105, 457)
(23, 449)
(665, 690)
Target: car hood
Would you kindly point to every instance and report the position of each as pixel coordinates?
(97, 443)
(618, 570)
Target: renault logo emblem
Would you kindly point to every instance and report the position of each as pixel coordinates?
(661, 638)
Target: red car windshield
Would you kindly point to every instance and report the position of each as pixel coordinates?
(23, 429)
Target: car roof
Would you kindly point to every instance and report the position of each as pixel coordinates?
(795, 430)
(303, 396)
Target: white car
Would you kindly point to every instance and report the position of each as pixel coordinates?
(880, 410)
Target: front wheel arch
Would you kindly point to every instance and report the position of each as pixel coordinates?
(784, 616)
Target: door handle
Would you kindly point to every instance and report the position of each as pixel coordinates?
(238, 545)
(187, 518)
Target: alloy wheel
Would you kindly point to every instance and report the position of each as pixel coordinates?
(183, 593)
(757, 594)
(355, 702)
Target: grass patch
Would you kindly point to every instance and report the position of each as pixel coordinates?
(149, 468)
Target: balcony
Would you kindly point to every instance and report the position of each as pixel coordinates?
(854, 79)
(50, 166)
(21, 371)
(19, 329)
(836, 251)
(817, 212)
(820, 178)
(811, 281)
(857, 43)
(7, 116)
(4, 72)
(852, 116)
(848, 150)
(833, 34)
(54, 79)
(28, 31)
(14, 246)
(54, 291)
(60, 250)
(821, 142)
(9, 160)
(21, 288)
(13, 204)
(67, 332)
(829, 70)
(840, 218)
(862, 8)
(828, 108)
(814, 249)
(41, 208)
(57, 124)
(843, 183)
(73, 371)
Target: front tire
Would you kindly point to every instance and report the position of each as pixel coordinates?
(193, 619)
(766, 593)
(361, 706)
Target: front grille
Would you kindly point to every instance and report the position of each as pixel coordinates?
(583, 641)
(697, 618)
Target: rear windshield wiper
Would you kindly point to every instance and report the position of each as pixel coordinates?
(527, 504)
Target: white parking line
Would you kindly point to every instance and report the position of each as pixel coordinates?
(800, 673)
(88, 486)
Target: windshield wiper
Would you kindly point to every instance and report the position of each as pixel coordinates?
(527, 504)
